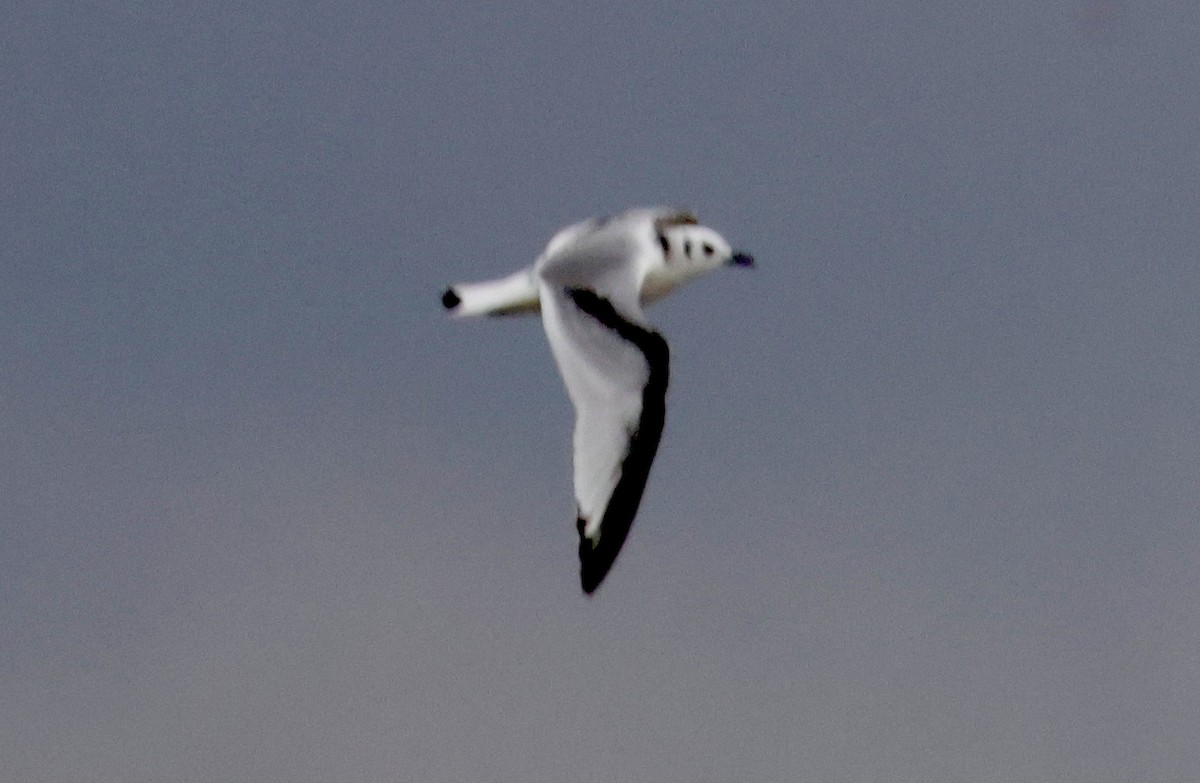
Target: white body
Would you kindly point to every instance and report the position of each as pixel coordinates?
(655, 273)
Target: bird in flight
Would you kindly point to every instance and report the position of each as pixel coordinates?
(589, 285)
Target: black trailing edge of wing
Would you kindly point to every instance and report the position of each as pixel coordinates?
(595, 561)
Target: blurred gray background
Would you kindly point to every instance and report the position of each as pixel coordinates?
(927, 504)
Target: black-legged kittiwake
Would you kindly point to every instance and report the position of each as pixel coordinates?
(590, 284)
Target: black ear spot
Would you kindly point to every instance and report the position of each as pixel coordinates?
(687, 249)
(666, 246)
(708, 249)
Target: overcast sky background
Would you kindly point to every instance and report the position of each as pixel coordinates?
(926, 507)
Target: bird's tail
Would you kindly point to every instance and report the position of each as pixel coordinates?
(517, 293)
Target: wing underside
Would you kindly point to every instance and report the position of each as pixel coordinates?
(616, 372)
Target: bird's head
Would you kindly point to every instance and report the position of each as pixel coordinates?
(688, 251)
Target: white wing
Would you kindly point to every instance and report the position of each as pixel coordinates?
(615, 369)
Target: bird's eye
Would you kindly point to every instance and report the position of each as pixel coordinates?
(666, 246)
(708, 249)
(687, 249)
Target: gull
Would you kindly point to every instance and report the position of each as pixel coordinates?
(589, 285)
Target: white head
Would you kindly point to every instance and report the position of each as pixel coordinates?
(689, 250)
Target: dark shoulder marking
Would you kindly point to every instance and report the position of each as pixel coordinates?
(595, 561)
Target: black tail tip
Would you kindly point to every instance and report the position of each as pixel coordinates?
(450, 300)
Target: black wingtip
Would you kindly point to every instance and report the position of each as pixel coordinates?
(591, 581)
(596, 558)
(450, 299)
(742, 259)
(591, 570)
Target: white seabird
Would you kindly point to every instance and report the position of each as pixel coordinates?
(590, 284)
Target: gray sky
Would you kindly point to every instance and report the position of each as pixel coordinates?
(926, 505)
